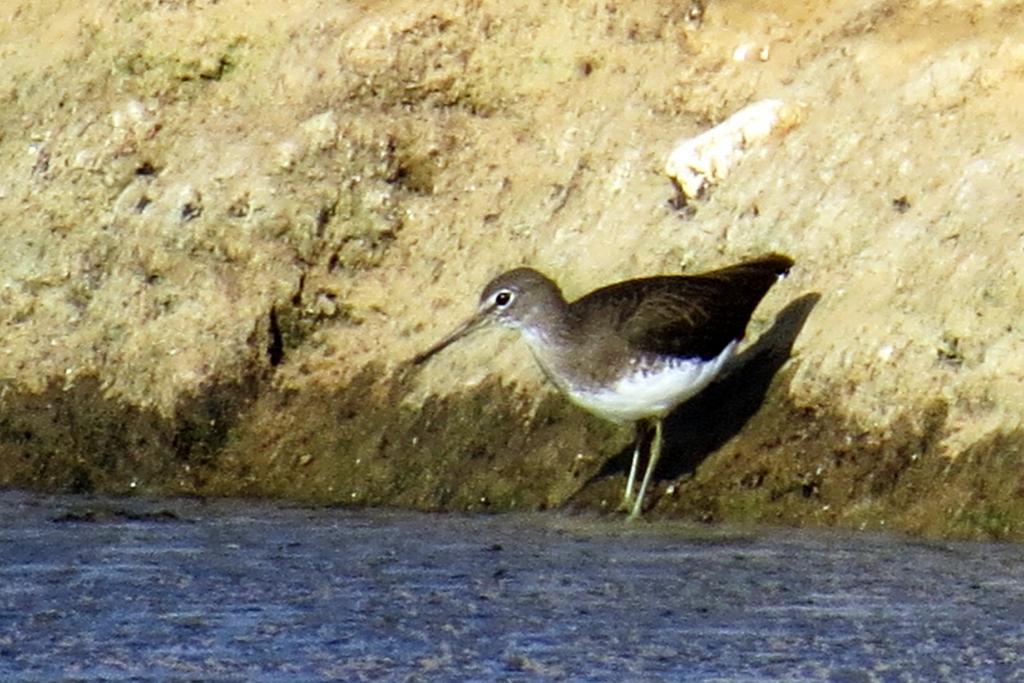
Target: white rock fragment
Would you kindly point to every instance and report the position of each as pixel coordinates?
(749, 52)
(287, 154)
(133, 121)
(321, 131)
(84, 159)
(698, 162)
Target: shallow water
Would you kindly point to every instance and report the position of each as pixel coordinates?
(171, 590)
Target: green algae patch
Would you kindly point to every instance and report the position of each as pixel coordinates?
(362, 445)
(76, 438)
(492, 448)
(798, 466)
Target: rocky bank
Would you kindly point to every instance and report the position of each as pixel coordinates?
(227, 224)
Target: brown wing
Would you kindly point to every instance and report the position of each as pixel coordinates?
(692, 316)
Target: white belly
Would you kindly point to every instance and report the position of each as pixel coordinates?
(654, 393)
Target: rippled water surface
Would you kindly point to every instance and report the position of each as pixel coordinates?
(180, 590)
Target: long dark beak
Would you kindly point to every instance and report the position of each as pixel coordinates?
(471, 325)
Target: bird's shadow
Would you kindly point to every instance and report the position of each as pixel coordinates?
(699, 427)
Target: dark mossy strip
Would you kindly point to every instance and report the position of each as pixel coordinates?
(74, 438)
(803, 467)
(727, 459)
(362, 445)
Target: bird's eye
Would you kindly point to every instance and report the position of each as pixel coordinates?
(503, 298)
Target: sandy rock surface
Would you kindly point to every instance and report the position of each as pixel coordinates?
(227, 224)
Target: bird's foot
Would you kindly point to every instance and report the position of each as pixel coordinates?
(636, 509)
(627, 504)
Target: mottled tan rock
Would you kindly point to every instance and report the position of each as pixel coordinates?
(195, 195)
